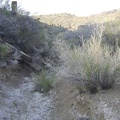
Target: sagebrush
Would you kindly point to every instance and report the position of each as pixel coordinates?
(93, 64)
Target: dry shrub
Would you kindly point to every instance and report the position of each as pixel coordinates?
(44, 81)
(4, 50)
(92, 64)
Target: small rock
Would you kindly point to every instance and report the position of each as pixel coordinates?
(3, 64)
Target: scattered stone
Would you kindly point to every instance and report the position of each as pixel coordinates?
(3, 64)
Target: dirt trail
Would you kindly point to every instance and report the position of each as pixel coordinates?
(17, 99)
(19, 102)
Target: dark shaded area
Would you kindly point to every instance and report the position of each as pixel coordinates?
(111, 34)
(83, 32)
(30, 36)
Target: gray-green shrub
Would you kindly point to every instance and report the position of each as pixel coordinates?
(3, 51)
(44, 81)
(92, 64)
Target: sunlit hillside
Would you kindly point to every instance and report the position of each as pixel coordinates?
(72, 22)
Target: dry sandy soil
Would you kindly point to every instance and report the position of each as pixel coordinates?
(72, 105)
(18, 102)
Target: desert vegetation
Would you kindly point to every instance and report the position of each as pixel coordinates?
(4, 50)
(44, 81)
(29, 35)
(25, 33)
(77, 56)
(90, 55)
(93, 65)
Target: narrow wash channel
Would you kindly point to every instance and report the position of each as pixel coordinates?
(21, 103)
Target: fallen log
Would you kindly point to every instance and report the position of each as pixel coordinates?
(22, 58)
(21, 54)
(25, 56)
(33, 66)
(14, 52)
(9, 45)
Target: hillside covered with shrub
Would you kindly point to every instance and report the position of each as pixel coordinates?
(89, 48)
(26, 34)
(80, 66)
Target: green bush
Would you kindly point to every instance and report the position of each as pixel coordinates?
(92, 64)
(28, 35)
(44, 81)
(21, 30)
(112, 33)
(3, 51)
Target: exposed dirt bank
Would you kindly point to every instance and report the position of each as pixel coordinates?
(71, 105)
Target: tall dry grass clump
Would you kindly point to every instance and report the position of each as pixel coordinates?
(92, 65)
(44, 81)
